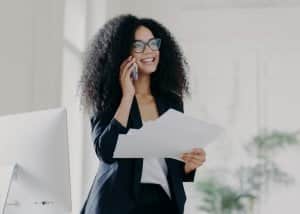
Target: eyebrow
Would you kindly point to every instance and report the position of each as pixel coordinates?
(137, 40)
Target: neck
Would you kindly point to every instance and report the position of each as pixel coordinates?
(142, 85)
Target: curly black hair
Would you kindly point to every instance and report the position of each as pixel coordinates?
(99, 86)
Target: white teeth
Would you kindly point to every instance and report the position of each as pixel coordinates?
(148, 60)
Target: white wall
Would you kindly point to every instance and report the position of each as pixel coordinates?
(82, 19)
(96, 17)
(74, 41)
(30, 68)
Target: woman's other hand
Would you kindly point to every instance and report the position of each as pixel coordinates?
(125, 80)
(193, 159)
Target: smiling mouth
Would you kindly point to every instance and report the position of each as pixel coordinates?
(148, 60)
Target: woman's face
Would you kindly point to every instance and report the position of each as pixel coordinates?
(147, 60)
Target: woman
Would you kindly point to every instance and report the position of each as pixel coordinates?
(118, 102)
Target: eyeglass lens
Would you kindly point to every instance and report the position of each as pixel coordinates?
(139, 46)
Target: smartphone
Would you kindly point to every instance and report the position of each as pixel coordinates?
(134, 73)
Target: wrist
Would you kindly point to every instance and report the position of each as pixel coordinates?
(127, 97)
(126, 101)
(188, 170)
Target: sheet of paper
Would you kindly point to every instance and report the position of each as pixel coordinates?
(6, 174)
(168, 136)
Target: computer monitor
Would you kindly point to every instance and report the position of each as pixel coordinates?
(37, 143)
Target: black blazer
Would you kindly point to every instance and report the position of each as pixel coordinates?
(115, 186)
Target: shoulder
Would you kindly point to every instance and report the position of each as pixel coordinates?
(101, 118)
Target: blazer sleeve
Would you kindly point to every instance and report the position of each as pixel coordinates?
(104, 133)
(180, 107)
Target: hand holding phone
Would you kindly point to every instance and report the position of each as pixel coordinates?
(126, 81)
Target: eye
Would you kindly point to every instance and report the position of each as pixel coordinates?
(152, 42)
(155, 43)
(138, 45)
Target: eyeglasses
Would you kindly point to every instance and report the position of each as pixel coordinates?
(139, 45)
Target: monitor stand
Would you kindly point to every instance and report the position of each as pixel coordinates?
(7, 174)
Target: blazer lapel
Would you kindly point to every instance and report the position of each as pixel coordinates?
(135, 118)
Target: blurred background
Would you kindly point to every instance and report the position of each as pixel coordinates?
(245, 74)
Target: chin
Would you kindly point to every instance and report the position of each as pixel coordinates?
(147, 70)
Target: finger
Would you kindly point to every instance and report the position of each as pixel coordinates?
(198, 151)
(124, 71)
(195, 163)
(131, 69)
(198, 158)
(199, 155)
(194, 157)
(126, 62)
(183, 154)
(187, 159)
(128, 68)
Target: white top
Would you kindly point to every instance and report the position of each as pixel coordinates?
(155, 170)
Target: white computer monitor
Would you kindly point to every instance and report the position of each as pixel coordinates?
(37, 143)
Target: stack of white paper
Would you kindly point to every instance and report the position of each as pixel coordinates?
(168, 136)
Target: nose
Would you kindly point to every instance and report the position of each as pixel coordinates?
(147, 49)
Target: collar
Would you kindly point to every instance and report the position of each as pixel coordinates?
(135, 118)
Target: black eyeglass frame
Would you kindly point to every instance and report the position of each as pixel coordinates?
(148, 44)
